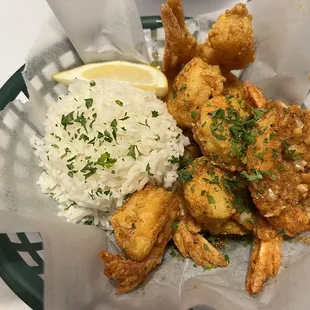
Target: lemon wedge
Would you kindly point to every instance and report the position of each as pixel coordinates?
(141, 76)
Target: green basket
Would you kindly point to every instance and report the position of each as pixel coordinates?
(25, 280)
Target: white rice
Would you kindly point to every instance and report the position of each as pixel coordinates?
(114, 110)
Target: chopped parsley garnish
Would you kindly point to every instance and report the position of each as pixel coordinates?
(145, 124)
(105, 160)
(241, 131)
(99, 191)
(238, 204)
(157, 138)
(92, 83)
(241, 102)
(210, 198)
(174, 94)
(175, 225)
(257, 175)
(89, 102)
(203, 124)
(250, 221)
(133, 226)
(260, 156)
(124, 118)
(155, 113)
(228, 98)
(82, 120)
(89, 221)
(194, 114)
(275, 153)
(215, 180)
(289, 154)
(120, 103)
(185, 175)
(83, 137)
(70, 174)
(227, 258)
(107, 136)
(183, 87)
(272, 135)
(203, 192)
(92, 122)
(70, 166)
(55, 146)
(178, 136)
(174, 160)
(280, 168)
(72, 158)
(148, 170)
(132, 151)
(88, 170)
(206, 247)
(67, 150)
(67, 120)
(114, 128)
(282, 232)
(212, 240)
(231, 185)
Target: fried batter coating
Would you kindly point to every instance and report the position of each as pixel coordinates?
(265, 261)
(180, 44)
(130, 273)
(254, 95)
(230, 227)
(230, 42)
(139, 221)
(233, 87)
(192, 88)
(278, 167)
(191, 244)
(213, 132)
(254, 221)
(207, 198)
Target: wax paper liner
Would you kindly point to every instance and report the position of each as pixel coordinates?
(74, 276)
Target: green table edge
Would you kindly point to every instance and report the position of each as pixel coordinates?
(13, 270)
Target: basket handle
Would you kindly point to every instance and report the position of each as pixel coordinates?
(12, 88)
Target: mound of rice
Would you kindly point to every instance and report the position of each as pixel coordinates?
(103, 141)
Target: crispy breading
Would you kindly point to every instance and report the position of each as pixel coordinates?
(280, 160)
(233, 87)
(129, 273)
(180, 45)
(207, 198)
(230, 227)
(254, 95)
(265, 261)
(191, 244)
(230, 42)
(139, 221)
(213, 133)
(192, 88)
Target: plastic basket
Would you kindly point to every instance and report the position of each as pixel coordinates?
(26, 280)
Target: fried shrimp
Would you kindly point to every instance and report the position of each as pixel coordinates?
(192, 88)
(230, 43)
(278, 167)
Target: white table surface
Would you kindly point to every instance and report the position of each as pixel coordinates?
(20, 21)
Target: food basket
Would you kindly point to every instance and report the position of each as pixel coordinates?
(21, 254)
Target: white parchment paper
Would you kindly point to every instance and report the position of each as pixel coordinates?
(73, 272)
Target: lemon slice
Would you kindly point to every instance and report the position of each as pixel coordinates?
(141, 76)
